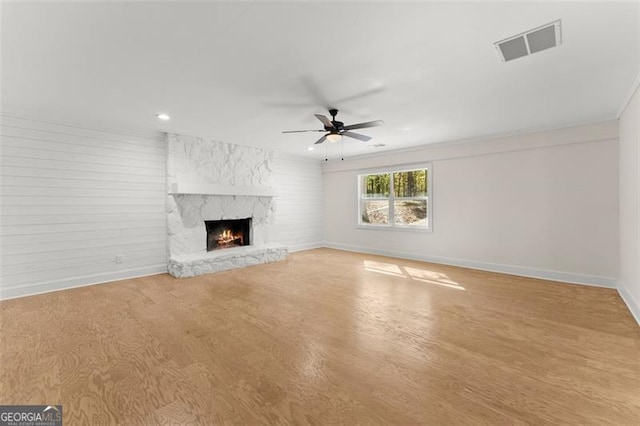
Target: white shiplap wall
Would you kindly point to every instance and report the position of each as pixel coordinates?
(299, 218)
(71, 199)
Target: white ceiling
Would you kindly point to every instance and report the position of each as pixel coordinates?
(243, 72)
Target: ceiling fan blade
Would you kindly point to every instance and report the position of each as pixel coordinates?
(364, 125)
(322, 139)
(302, 131)
(361, 94)
(316, 93)
(325, 121)
(358, 136)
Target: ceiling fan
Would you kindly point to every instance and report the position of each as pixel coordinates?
(336, 129)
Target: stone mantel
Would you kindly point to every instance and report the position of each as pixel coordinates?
(204, 188)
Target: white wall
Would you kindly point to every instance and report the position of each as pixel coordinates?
(297, 182)
(542, 204)
(629, 283)
(73, 198)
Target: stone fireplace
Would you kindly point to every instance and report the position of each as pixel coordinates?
(227, 233)
(220, 207)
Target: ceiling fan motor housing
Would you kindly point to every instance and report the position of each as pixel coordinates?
(337, 125)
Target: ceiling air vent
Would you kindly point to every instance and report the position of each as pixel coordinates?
(529, 42)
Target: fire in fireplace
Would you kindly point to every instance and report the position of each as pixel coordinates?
(228, 233)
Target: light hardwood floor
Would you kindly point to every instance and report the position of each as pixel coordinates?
(326, 337)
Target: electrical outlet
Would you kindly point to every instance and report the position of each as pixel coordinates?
(119, 258)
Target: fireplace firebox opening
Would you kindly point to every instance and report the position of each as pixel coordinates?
(228, 233)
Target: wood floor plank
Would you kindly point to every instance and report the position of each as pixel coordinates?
(326, 337)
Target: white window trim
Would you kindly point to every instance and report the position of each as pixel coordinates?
(391, 226)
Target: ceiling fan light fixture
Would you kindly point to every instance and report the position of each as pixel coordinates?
(334, 137)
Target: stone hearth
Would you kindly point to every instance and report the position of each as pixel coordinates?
(222, 260)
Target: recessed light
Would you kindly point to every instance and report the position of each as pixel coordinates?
(164, 117)
(310, 148)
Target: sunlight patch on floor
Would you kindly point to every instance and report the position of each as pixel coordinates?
(383, 268)
(416, 274)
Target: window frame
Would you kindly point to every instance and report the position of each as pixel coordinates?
(392, 198)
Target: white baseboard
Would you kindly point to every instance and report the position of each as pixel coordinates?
(632, 304)
(566, 277)
(65, 284)
(308, 246)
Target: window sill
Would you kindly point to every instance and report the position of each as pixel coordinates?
(394, 228)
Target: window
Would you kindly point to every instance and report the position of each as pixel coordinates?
(395, 199)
